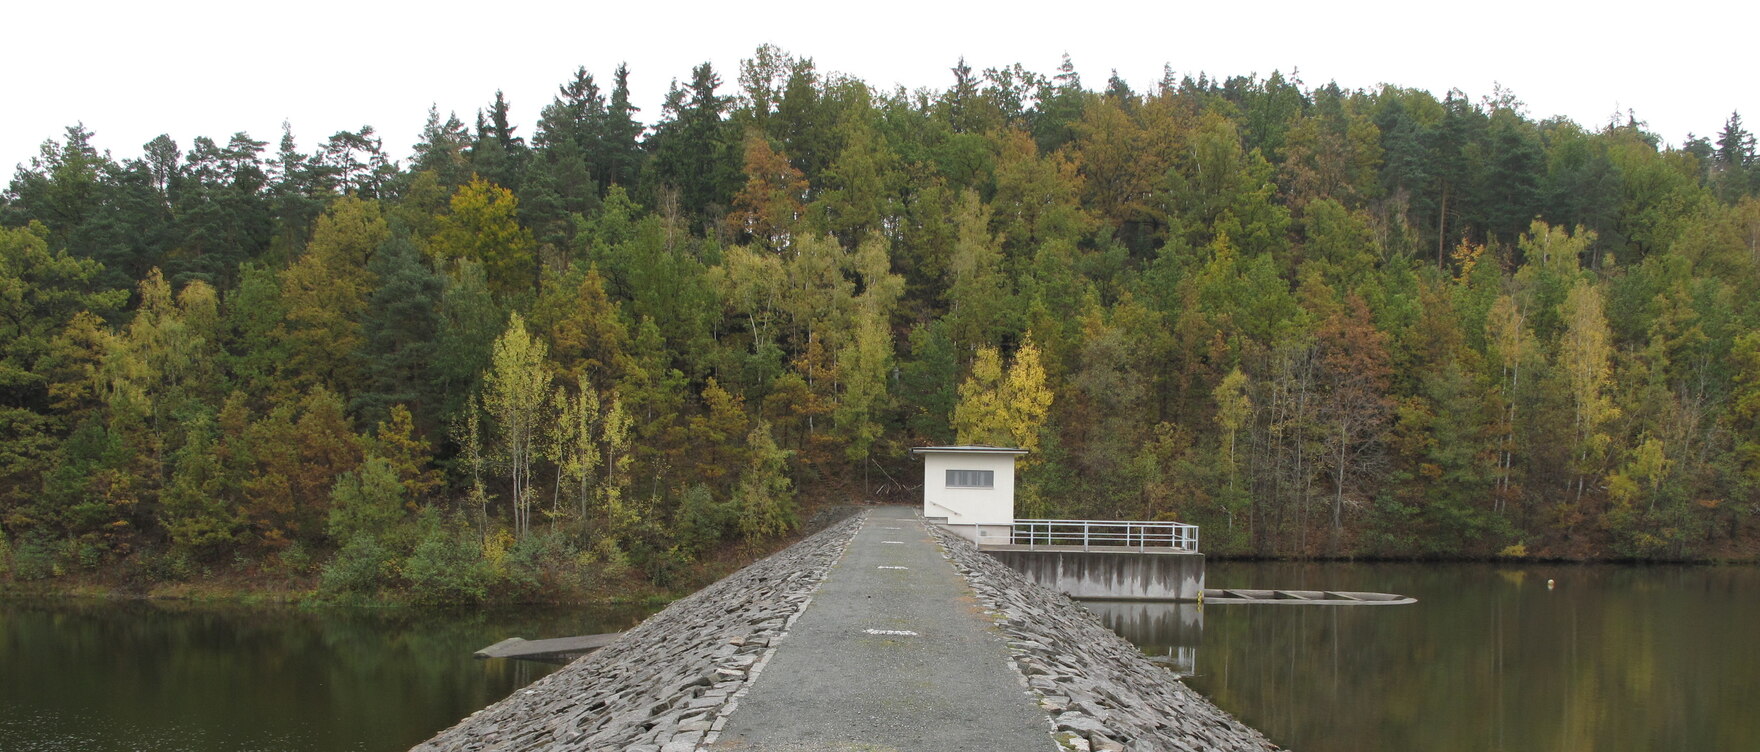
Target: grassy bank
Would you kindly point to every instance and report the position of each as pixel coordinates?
(449, 569)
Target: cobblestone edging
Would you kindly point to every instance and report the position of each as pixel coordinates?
(1100, 691)
(670, 682)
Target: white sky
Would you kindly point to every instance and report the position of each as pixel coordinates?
(133, 70)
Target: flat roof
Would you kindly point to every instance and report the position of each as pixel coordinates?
(967, 449)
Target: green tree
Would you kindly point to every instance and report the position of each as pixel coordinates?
(470, 321)
(979, 300)
(409, 455)
(931, 375)
(764, 500)
(46, 299)
(863, 365)
(693, 146)
(196, 509)
(1744, 415)
(400, 328)
(366, 501)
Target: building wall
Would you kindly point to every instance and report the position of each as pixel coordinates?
(969, 506)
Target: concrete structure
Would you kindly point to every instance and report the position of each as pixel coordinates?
(970, 488)
(969, 492)
(879, 633)
(1108, 572)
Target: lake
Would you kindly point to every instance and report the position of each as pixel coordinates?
(1612, 658)
(129, 675)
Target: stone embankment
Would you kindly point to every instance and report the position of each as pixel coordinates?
(1101, 692)
(669, 681)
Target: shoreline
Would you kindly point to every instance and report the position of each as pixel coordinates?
(276, 594)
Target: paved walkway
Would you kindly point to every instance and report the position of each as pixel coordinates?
(894, 653)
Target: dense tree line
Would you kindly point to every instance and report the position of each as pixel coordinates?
(1315, 321)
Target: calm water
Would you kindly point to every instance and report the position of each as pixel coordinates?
(141, 676)
(1614, 658)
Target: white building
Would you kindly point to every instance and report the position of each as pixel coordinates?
(971, 486)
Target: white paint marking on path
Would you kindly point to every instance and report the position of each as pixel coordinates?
(890, 528)
(900, 542)
(887, 567)
(900, 632)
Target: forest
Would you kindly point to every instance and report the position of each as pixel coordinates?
(598, 354)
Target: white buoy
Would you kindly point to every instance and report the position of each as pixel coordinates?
(1549, 584)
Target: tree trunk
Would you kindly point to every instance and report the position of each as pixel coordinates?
(1441, 225)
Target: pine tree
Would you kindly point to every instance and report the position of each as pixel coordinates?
(399, 337)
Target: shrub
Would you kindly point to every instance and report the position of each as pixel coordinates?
(358, 569)
(702, 522)
(32, 560)
(605, 563)
(664, 567)
(82, 554)
(171, 566)
(447, 569)
(366, 501)
(540, 562)
(295, 558)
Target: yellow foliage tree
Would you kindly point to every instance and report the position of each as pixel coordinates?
(515, 393)
(1004, 408)
(1586, 356)
(326, 292)
(483, 226)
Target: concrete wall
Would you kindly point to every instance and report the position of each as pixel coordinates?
(969, 506)
(1115, 574)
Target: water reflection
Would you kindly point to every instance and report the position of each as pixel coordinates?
(102, 675)
(1169, 633)
(1488, 659)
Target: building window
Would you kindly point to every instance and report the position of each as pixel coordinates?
(971, 479)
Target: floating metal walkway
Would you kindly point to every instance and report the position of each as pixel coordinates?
(1312, 597)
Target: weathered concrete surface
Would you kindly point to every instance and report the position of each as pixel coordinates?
(1123, 574)
(895, 654)
(519, 647)
(1101, 691)
(667, 682)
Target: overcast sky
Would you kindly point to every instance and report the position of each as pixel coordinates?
(133, 70)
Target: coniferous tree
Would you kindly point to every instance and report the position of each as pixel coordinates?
(400, 329)
(692, 147)
(623, 157)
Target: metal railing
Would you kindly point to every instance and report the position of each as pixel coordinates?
(1088, 533)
